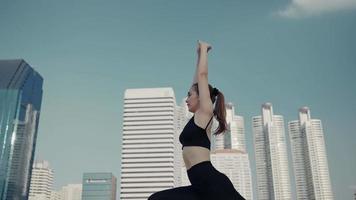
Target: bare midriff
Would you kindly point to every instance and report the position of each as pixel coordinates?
(193, 155)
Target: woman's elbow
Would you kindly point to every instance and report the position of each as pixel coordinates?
(203, 74)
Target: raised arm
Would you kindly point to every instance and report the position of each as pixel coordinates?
(207, 47)
(201, 77)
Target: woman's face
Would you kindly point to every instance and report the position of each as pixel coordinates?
(192, 100)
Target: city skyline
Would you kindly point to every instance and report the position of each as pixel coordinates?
(89, 52)
(142, 99)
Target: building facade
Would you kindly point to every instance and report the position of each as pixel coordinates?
(20, 106)
(273, 181)
(309, 157)
(41, 181)
(99, 186)
(150, 149)
(72, 192)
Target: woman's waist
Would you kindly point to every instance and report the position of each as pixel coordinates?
(194, 156)
(194, 152)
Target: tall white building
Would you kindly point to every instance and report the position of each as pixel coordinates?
(72, 192)
(149, 143)
(309, 157)
(273, 181)
(235, 165)
(41, 181)
(234, 138)
(68, 192)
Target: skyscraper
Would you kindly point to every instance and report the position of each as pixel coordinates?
(68, 192)
(99, 186)
(41, 181)
(20, 105)
(273, 181)
(150, 145)
(71, 192)
(309, 157)
(234, 137)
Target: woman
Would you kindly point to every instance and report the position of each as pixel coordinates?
(207, 182)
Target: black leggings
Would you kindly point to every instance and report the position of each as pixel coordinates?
(207, 184)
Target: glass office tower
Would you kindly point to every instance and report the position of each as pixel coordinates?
(20, 105)
(99, 186)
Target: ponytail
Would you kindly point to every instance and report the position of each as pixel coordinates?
(220, 112)
(218, 98)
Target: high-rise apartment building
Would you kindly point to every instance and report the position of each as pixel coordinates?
(234, 137)
(273, 181)
(41, 181)
(309, 157)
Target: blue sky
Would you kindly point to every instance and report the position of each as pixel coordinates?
(290, 53)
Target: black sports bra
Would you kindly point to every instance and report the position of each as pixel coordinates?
(194, 135)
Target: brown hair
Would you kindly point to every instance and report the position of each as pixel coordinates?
(219, 109)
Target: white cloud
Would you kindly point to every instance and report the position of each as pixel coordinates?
(303, 8)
